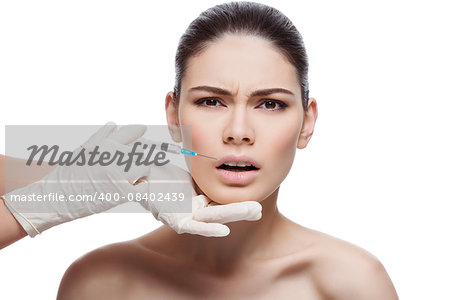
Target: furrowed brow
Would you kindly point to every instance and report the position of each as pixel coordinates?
(260, 93)
(211, 89)
(267, 92)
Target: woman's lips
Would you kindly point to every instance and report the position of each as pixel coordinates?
(232, 177)
(237, 177)
(238, 158)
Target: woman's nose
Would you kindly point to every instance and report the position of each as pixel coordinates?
(238, 129)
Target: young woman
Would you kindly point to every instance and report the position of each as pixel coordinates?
(241, 84)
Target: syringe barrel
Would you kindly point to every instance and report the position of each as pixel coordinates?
(167, 147)
(171, 148)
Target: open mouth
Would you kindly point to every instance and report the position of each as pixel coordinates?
(237, 170)
(237, 167)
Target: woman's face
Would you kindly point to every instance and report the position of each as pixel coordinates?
(222, 98)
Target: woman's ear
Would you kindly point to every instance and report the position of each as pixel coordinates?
(309, 121)
(172, 118)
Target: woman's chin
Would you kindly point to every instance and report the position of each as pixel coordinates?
(229, 201)
(222, 194)
(233, 197)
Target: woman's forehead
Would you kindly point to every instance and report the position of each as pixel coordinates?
(241, 61)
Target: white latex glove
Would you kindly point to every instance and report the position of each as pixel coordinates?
(80, 180)
(208, 220)
(112, 179)
(204, 219)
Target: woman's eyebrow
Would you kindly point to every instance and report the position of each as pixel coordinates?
(220, 91)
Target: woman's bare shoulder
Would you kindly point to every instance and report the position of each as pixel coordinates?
(105, 273)
(346, 271)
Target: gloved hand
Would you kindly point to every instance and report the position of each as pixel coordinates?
(207, 217)
(208, 220)
(113, 180)
(35, 217)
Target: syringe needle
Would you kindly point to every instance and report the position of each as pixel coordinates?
(192, 153)
(208, 156)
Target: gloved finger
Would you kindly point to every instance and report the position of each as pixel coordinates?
(248, 211)
(140, 167)
(205, 229)
(149, 143)
(137, 172)
(112, 146)
(129, 169)
(106, 131)
(128, 134)
(172, 179)
(141, 191)
(199, 202)
(99, 135)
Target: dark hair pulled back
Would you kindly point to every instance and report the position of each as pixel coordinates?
(249, 18)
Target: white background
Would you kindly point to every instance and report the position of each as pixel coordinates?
(376, 172)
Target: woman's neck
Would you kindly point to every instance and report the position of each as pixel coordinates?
(247, 241)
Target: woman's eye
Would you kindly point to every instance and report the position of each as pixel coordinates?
(267, 105)
(272, 105)
(210, 102)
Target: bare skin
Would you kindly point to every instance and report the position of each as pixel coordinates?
(10, 230)
(272, 258)
(297, 263)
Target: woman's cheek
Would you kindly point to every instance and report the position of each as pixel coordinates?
(281, 151)
(203, 136)
(202, 139)
(276, 151)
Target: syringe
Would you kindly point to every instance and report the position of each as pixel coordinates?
(172, 148)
